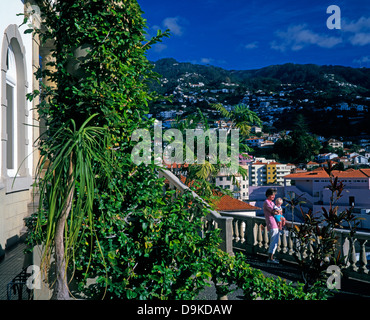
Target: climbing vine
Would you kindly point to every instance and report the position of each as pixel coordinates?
(103, 216)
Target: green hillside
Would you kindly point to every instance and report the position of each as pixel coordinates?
(333, 79)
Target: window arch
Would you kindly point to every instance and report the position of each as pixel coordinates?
(11, 114)
(14, 110)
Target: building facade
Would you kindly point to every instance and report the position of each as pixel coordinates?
(267, 172)
(313, 188)
(19, 127)
(239, 189)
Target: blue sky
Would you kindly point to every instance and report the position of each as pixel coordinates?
(247, 34)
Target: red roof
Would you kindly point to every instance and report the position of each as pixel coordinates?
(175, 165)
(366, 171)
(227, 203)
(321, 173)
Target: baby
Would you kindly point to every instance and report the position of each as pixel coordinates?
(278, 213)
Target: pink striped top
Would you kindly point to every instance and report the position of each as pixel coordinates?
(268, 206)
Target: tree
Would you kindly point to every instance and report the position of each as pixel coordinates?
(100, 69)
(299, 146)
(241, 116)
(102, 215)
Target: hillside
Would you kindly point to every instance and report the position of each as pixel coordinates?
(332, 79)
(329, 97)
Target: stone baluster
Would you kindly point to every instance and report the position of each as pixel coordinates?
(250, 235)
(255, 233)
(284, 243)
(236, 230)
(363, 259)
(266, 239)
(242, 231)
(278, 249)
(290, 244)
(352, 256)
(259, 236)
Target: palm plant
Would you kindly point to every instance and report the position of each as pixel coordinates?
(66, 179)
(201, 174)
(241, 116)
(293, 201)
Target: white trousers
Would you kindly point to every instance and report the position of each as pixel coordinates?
(274, 240)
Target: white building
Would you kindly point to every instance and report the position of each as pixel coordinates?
(19, 60)
(326, 156)
(313, 188)
(167, 114)
(267, 172)
(255, 142)
(335, 143)
(239, 189)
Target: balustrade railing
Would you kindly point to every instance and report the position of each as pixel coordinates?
(213, 219)
(250, 234)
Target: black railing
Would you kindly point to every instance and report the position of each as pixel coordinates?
(18, 286)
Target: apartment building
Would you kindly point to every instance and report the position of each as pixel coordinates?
(239, 188)
(313, 188)
(267, 172)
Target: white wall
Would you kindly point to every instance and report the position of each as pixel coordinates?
(13, 205)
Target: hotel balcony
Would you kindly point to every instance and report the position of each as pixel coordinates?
(248, 234)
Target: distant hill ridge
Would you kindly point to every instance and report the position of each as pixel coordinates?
(327, 77)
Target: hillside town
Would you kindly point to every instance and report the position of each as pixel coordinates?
(350, 154)
(81, 219)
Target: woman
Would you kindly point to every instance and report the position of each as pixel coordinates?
(272, 227)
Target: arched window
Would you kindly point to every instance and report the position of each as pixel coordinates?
(11, 114)
(14, 112)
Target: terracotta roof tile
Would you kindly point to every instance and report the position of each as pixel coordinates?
(366, 172)
(227, 203)
(321, 173)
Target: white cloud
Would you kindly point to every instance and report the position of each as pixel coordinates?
(210, 61)
(299, 36)
(173, 23)
(360, 39)
(359, 31)
(252, 45)
(362, 60)
(361, 25)
(206, 60)
(159, 47)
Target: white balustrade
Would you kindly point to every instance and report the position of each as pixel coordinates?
(250, 234)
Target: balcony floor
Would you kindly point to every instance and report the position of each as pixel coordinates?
(13, 263)
(350, 288)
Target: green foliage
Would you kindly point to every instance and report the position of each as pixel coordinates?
(65, 169)
(299, 146)
(315, 238)
(99, 68)
(232, 272)
(119, 227)
(153, 250)
(241, 116)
